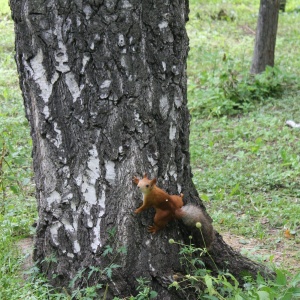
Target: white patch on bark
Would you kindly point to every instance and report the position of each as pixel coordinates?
(88, 188)
(89, 179)
(121, 40)
(96, 230)
(84, 62)
(151, 268)
(178, 97)
(139, 123)
(78, 180)
(72, 232)
(54, 232)
(74, 89)
(110, 174)
(46, 112)
(172, 171)
(124, 64)
(105, 84)
(164, 65)
(61, 55)
(88, 11)
(67, 172)
(121, 150)
(61, 58)
(172, 132)
(39, 75)
(162, 25)
(73, 206)
(54, 197)
(164, 106)
(105, 88)
(152, 161)
(36, 68)
(179, 188)
(87, 209)
(137, 116)
(102, 202)
(126, 4)
(76, 246)
(67, 198)
(96, 240)
(58, 140)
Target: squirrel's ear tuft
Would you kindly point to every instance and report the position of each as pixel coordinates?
(153, 181)
(145, 175)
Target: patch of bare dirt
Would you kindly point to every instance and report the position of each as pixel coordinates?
(25, 246)
(247, 30)
(283, 253)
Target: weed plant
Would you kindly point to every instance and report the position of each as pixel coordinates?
(285, 286)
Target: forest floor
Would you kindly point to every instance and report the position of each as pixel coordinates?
(283, 256)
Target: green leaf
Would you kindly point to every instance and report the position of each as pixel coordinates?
(14, 189)
(108, 249)
(122, 250)
(209, 284)
(296, 280)
(280, 278)
(262, 295)
(153, 294)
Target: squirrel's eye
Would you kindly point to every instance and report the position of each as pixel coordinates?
(147, 185)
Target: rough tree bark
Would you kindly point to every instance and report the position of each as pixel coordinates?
(265, 39)
(104, 88)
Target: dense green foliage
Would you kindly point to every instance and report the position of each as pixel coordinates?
(245, 160)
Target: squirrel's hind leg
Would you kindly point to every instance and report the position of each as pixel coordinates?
(161, 219)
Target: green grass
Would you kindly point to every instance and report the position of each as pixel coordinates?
(245, 160)
(17, 203)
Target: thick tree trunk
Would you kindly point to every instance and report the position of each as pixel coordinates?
(104, 87)
(265, 40)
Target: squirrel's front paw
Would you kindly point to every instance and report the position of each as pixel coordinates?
(152, 229)
(136, 211)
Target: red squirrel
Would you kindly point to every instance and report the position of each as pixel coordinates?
(170, 207)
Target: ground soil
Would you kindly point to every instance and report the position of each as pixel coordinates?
(25, 246)
(283, 253)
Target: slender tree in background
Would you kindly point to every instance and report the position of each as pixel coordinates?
(265, 39)
(104, 88)
(282, 4)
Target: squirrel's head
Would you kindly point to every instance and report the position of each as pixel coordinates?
(146, 184)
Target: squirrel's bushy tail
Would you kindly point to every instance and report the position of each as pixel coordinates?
(191, 215)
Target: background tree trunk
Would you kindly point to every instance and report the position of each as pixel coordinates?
(282, 4)
(265, 39)
(104, 87)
